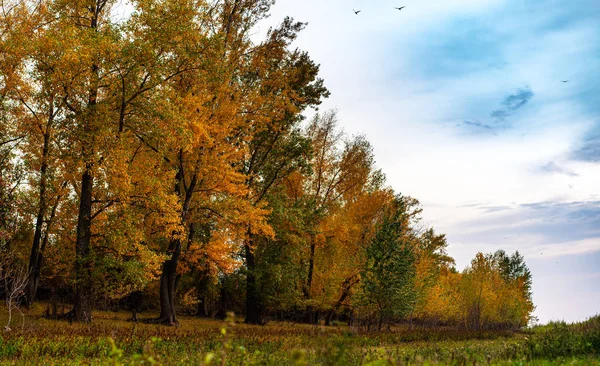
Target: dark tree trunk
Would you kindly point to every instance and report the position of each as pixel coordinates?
(168, 284)
(346, 287)
(311, 317)
(311, 267)
(35, 256)
(168, 278)
(252, 311)
(202, 289)
(222, 302)
(34, 276)
(82, 309)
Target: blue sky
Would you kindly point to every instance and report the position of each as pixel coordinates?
(464, 103)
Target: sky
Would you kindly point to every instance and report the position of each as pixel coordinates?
(464, 104)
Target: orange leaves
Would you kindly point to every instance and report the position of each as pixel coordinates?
(442, 301)
(294, 184)
(347, 206)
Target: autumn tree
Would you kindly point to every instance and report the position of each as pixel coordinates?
(35, 109)
(10, 178)
(442, 303)
(343, 256)
(341, 171)
(517, 305)
(277, 148)
(98, 84)
(11, 174)
(431, 260)
(495, 291)
(230, 103)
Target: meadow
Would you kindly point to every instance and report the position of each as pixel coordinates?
(113, 339)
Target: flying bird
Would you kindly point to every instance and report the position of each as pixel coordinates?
(565, 81)
(356, 11)
(400, 8)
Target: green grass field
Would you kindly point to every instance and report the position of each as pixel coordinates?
(112, 339)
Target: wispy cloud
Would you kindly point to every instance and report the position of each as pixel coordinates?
(511, 104)
(479, 125)
(534, 224)
(498, 118)
(496, 208)
(552, 167)
(589, 148)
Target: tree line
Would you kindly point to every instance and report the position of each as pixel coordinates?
(164, 161)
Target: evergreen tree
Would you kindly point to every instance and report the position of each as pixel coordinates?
(389, 272)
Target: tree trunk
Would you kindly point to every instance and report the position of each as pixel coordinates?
(34, 275)
(202, 289)
(346, 287)
(252, 311)
(82, 309)
(168, 278)
(222, 302)
(34, 258)
(310, 313)
(168, 284)
(311, 266)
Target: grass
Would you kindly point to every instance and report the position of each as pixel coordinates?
(112, 339)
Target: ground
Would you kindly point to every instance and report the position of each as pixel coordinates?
(113, 339)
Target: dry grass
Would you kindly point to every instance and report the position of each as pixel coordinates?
(113, 339)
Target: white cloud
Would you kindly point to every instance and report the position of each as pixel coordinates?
(567, 248)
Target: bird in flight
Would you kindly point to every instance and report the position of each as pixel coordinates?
(400, 8)
(565, 81)
(356, 11)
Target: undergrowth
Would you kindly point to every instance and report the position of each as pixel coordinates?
(112, 339)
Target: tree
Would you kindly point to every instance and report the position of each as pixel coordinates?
(431, 259)
(342, 258)
(279, 270)
(339, 175)
(277, 148)
(257, 85)
(13, 276)
(35, 110)
(495, 292)
(101, 88)
(443, 302)
(387, 279)
(518, 305)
